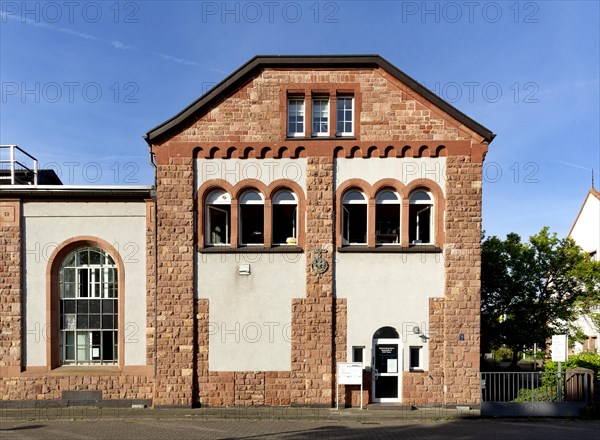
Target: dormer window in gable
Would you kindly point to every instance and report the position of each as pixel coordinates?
(295, 116)
(345, 115)
(320, 116)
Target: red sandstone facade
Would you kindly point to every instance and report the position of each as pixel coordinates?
(244, 118)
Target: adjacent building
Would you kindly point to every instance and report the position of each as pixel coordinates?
(307, 211)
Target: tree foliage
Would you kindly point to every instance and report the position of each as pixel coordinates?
(532, 290)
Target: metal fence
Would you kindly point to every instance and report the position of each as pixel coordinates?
(535, 387)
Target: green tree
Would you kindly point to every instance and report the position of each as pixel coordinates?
(532, 290)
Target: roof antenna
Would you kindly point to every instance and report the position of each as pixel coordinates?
(593, 179)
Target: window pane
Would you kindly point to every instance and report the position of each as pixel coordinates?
(83, 283)
(218, 224)
(68, 290)
(284, 223)
(252, 224)
(218, 197)
(69, 275)
(415, 353)
(354, 196)
(419, 224)
(296, 116)
(354, 224)
(420, 196)
(387, 223)
(95, 257)
(107, 322)
(285, 197)
(94, 321)
(320, 116)
(251, 197)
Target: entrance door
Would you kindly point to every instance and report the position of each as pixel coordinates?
(387, 369)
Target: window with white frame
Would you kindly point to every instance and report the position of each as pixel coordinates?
(415, 361)
(285, 218)
(387, 217)
(320, 116)
(251, 218)
(358, 353)
(354, 217)
(88, 308)
(345, 116)
(420, 218)
(295, 116)
(218, 213)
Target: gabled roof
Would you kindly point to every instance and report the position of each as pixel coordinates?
(592, 192)
(260, 62)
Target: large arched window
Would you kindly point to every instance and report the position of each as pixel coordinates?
(252, 218)
(420, 218)
(387, 217)
(285, 218)
(88, 308)
(218, 214)
(354, 217)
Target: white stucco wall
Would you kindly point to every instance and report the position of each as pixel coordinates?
(388, 290)
(47, 225)
(405, 170)
(586, 230)
(586, 233)
(264, 170)
(250, 315)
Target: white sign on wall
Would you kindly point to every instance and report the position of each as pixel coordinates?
(559, 348)
(350, 373)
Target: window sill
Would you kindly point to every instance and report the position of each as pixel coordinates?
(391, 249)
(88, 370)
(252, 250)
(320, 138)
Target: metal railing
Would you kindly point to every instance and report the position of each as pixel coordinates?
(538, 386)
(19, 172)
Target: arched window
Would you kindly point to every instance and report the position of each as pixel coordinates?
(252, 218)
(387, 217)
(285, 218)
(354, 218)
(218, 214)
(420, 218)
(88, 308)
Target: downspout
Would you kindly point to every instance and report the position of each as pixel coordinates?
(155, 245)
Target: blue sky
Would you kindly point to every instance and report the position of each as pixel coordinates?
(83, 81)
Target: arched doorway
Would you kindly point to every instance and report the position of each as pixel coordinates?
(386, 365)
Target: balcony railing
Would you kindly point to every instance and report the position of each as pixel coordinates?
(11, 159)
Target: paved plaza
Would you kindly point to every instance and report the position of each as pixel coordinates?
(290, 423)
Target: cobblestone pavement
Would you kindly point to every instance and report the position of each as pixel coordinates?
(150, 425)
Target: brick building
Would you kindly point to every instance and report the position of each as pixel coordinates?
(309, 211)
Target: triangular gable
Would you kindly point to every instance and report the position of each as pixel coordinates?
(258, 63)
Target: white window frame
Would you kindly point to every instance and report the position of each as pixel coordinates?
(321, 117)
(104, 275)
(419, 367)
(301, 113)
(346, 217)
(339, 100)
(278, 200)
(398, 202)
(243, 202)
(426, 204)
(216, 198)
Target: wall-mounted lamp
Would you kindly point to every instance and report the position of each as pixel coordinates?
(244, 269)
